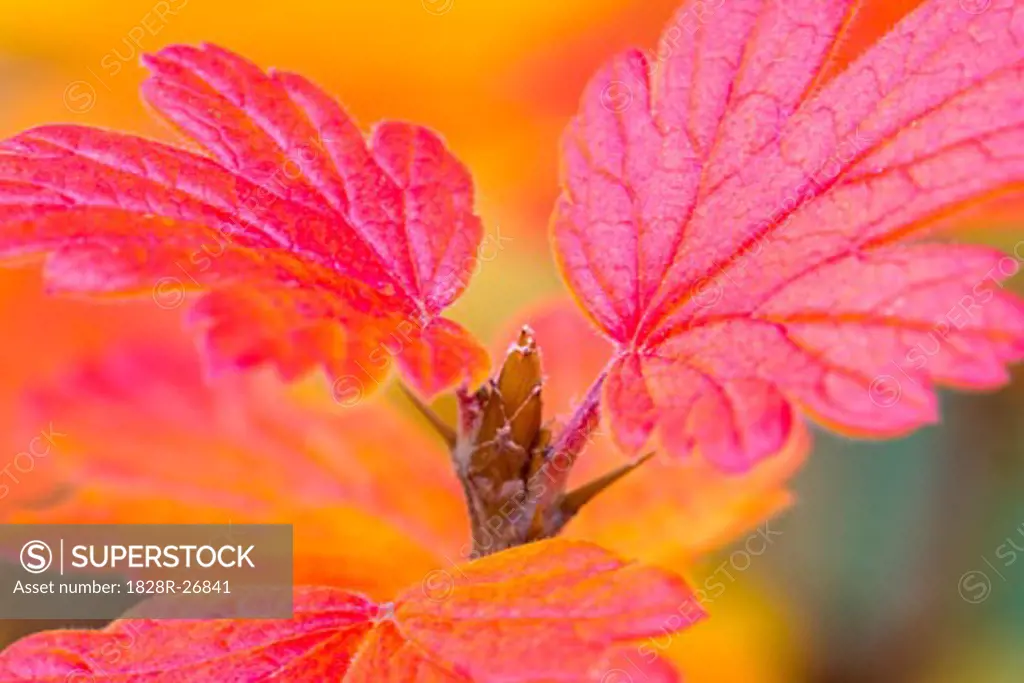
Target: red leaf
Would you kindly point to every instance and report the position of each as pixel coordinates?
(322, 228)
(733, 228)
(494, 621)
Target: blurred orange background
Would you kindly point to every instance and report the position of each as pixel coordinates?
(500, 80)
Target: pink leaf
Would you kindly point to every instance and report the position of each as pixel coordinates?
(733, 226)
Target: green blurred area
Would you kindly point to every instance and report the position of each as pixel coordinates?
(904, 560)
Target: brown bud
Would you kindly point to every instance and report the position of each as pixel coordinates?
(513, 470)
(510, 412)
(501, 425)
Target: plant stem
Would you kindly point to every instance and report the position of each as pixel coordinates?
(439, 425)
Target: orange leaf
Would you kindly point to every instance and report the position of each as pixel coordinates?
(145, 439)
(573, 601)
